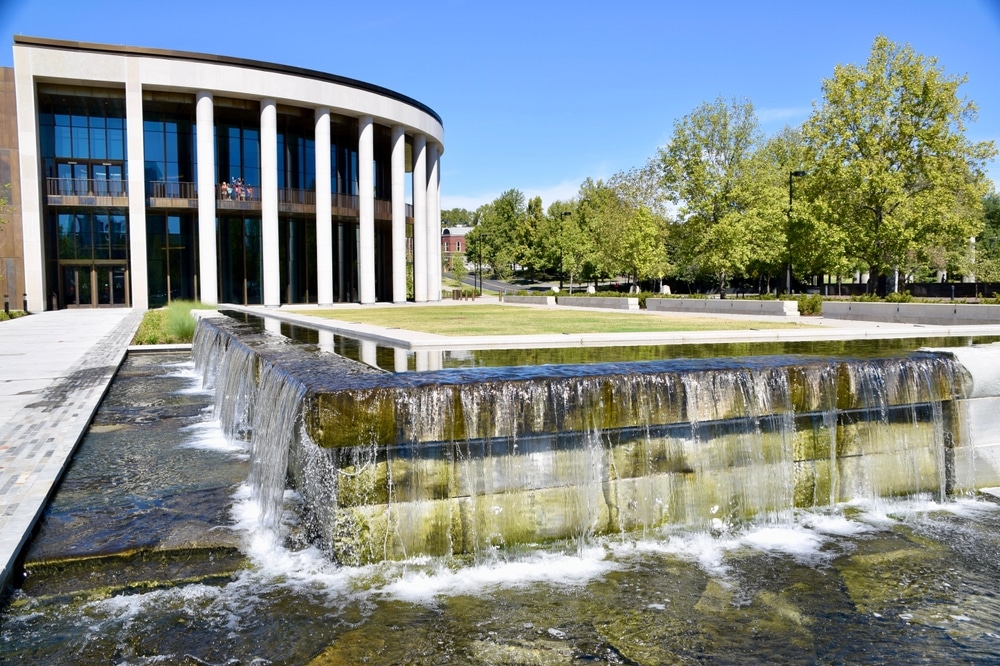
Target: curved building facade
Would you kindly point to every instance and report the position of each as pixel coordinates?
(148, 175)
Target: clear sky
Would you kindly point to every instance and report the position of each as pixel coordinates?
(540, 95)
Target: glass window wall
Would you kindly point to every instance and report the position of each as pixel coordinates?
(169, 145)
(172, 257)
(241, 274)
(297, 258)
(237, 146)
(82, 139)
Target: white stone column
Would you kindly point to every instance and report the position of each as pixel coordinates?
(32, 187)
(138, 261)
(369, 353)
(420, 218)
(398, 214)
(400, 362)
(437, 220)
(269, 202)
(366, 210)
(208, 271)
(324, 226)
(433, 226)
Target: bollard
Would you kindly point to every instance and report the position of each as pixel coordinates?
(952, 292)
(6, 305)
(25, 303)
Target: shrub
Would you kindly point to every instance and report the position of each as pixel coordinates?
(170, 325)
(13, 314)
(179, 323)
(810, 304)
(899, 297)
(150, 329)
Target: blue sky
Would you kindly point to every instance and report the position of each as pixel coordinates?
(540, 95)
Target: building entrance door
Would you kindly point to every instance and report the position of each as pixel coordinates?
(93, 285)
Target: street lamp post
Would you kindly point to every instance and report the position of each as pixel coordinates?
(480, 241)
(788, 232)
(562, 242)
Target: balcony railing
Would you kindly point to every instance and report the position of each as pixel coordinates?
(162, 189)
(296, 197)
(83, 188)
(162, 193)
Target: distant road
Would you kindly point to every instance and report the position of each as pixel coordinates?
(495, 285)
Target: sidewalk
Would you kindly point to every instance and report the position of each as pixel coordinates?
(55, 368)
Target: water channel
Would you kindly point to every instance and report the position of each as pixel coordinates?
(157, 549)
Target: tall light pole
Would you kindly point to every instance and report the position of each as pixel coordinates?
(788, 232)
(562, 242)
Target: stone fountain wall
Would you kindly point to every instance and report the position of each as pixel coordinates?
(467, 462)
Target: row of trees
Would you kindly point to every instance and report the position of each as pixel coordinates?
(881, 178)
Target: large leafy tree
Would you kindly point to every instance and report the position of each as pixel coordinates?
(813, 247)
(532, 257)
(893, 170)
(566, 247)
(499, 240)
(637, 247)
(458, 217)
(987, 256)
(710, 171)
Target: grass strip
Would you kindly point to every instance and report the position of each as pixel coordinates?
(512, 320)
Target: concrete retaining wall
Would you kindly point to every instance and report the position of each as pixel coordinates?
(941, 314)
(530, 300)
(724, 306)
(609, 302)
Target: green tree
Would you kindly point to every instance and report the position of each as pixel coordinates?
(892, 166)
(499, 238)
(710, 171)
(4, 202)
(987, 257)
(813, 247)
(457, 217)
(636, 246)
(566, 247)
(532, 256)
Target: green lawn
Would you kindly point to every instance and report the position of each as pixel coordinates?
(512, 320)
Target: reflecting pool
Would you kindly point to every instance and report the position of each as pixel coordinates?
(152, 552)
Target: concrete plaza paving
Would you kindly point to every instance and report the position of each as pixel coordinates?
(55, 368)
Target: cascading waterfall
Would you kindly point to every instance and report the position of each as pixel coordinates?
(472, 461)
(256, 402)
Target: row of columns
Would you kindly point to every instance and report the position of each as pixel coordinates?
(426, 208)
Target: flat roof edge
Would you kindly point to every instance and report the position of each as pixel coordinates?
(224, 60)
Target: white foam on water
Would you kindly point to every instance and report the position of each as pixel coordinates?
(209, 436)
(797, 541)
(835, 524)
(806, 538)
(701, 548)
(186, 370)
(557, 569)
(886, 513)
(418, 579)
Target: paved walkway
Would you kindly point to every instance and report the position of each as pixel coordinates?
(54, 370)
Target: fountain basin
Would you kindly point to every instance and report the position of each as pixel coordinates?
(468, 461)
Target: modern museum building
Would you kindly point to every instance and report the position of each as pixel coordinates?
(136, 176)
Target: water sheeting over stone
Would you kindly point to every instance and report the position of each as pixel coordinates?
(468, 461)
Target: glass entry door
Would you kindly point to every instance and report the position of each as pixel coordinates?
(94, 285)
